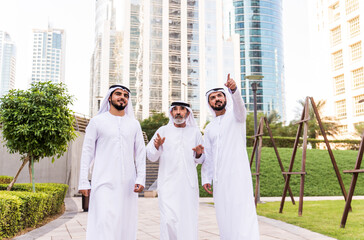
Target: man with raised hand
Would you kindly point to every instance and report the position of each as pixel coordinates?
(114, 144)
(178, 146)
(227, 165)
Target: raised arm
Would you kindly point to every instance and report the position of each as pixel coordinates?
(139, 156)
(238, 102)
(199, 149)
(154, 147)
(88, 152)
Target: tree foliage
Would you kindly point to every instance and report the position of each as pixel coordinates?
(151, 124)
(329, 123)
(37, 122)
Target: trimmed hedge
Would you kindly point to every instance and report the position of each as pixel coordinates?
(10, 215)
(5, 179)
(21, 208)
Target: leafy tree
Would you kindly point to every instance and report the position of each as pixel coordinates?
(37, 123)
(359, 128)
(151, 124)
(329, 123)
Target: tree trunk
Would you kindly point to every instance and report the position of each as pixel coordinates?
(26, 159)
(30, 171)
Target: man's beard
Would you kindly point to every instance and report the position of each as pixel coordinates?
(118, 107)
(178, 119)
(219, 108)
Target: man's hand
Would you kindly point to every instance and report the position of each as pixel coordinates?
(138, 188)
(230, 83)
(207, 188)
(158, 141)
(198, 150)
(85, 192)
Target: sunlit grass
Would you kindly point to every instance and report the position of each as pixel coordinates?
(320, 216)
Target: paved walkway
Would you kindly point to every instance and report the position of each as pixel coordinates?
(72, 224)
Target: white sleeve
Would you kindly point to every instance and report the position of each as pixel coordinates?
(88, 153)
(238, 106)
(199, 141)
(153, 154)
(139, 156)
(208, 164)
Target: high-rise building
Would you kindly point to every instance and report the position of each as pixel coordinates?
(184, 54)
(48, 61)
(7, 63)
(170, 50)
(259, 25)
(117, 51)
(338, 29)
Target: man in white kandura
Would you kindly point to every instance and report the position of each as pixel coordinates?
(178, 146)
(114, 143)
(227, 165)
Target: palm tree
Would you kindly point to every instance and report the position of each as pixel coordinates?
(329, 123)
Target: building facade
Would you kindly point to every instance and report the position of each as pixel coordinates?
(259, 25)
(7, 63)
(169, 50)
(340, 22)
(48, 57)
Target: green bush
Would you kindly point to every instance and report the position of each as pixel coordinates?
(57, 190)
(6, 179)
(34, 206)
(10, 215)
(22, 208)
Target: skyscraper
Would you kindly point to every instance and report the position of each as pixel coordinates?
(48, 61)
(338, 34)
(7, 63)
(259, 24)
(117, 51)
(184, 54)
(170, 50)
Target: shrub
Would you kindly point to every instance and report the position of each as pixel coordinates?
(10, 215)
(56, 190)
(33, 208)
(22, 208)
(6, 179)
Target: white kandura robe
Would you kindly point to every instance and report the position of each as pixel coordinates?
(178, 190)
(117, 147)
(227, 164)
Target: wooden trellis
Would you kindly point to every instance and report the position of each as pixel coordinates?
(304, 123)
(355, 173)
(258, 142)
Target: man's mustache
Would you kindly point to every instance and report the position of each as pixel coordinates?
(178, 116)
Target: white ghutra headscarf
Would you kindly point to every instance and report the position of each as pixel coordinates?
(105, 105)
(190, 121)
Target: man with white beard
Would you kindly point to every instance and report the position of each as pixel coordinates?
(227, 165)
(114, 143)
(178, 146)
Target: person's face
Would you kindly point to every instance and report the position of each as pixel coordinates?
(217, 101)
(179, 114)
(119, 99)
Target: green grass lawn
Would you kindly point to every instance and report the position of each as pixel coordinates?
(320, 179)
(320, 216)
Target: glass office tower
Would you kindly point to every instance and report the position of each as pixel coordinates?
(259, 24)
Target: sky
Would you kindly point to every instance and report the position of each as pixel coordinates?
(76, 17)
